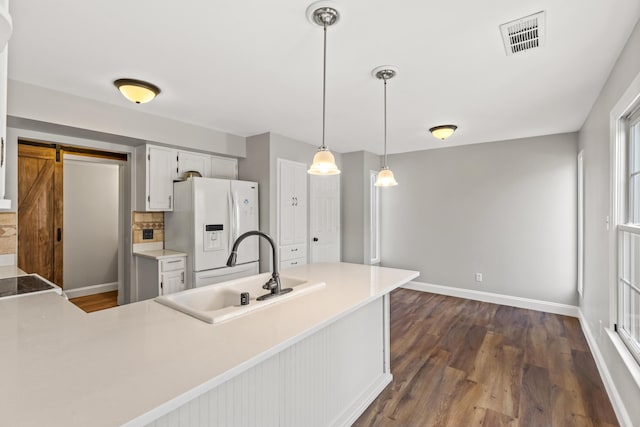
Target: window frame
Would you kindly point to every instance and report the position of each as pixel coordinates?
(624, 115)
(628, 225)
(374, 219)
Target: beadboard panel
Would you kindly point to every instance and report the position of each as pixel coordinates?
(315, 382)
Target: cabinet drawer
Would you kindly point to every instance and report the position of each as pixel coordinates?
(171, 264)
(292, 263)
(293, 251)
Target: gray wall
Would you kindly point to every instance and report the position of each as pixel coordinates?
(505, 209)
(41, 106)
(595, 141)
(90, 223)
(356, 217)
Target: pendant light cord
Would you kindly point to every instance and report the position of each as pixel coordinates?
(385, 122)
(324, 85)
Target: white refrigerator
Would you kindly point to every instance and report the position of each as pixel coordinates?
(208, 215)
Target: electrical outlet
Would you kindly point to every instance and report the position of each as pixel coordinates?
(147, 233)
(478, 277)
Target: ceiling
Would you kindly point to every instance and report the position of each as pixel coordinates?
(252, 66)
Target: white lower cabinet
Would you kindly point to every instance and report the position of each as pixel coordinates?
(292, 255)
(159, 276)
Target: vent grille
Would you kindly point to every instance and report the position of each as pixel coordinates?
(524, 34)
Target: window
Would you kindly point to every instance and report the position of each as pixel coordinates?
(375, 218)
(629, 237)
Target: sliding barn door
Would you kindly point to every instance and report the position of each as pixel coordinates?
(40, 209)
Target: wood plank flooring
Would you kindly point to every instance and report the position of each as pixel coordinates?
(95, 302)
(459, 362)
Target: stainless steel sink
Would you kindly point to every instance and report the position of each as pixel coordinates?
(220, 302)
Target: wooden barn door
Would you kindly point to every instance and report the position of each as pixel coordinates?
(40, 211)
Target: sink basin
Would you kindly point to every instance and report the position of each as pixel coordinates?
(220, 302)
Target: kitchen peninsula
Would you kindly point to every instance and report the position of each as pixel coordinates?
(316, 359)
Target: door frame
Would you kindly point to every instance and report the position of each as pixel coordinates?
(127, 191)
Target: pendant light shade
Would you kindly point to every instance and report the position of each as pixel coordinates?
(324, 163)
(385, 177)
(443, 132)
(324, 14)
(136, 90)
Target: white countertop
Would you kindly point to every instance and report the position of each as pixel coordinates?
(159, 254)
(128, 365)
(7, 271)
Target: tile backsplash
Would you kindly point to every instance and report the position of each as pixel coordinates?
(147, 221)
(9, 233)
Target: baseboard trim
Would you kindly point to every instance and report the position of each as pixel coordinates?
(351, 414)
(90, 290)
(531, 304)
(614, 396)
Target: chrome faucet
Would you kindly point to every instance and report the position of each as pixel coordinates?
(273, 284)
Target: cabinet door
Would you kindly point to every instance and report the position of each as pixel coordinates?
(292, 191)
(193, 162)
(172, 282)
(4, 204)
(300, 207)
(224, 168)
(160, 164)
(286, 205)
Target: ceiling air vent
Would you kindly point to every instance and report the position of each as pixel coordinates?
(524, 34)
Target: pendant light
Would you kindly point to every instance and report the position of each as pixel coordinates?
(385, 176)
(136, 90)
(324, 14)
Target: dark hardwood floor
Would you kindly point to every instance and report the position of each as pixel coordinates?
(91, 303)
(459, 362)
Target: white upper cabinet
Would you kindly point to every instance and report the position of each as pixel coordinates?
(188, 161)
(155, 169)
(292, 196)
(6, 29)
(6, 24)
(224, 167)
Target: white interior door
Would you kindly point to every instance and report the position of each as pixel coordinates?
(324, 218)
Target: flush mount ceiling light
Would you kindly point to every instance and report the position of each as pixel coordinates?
(385, 176)
(136, 90)
(324, 14)
(443, 131)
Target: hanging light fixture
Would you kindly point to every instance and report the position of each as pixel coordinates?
(385, 176)
(443, 131)
(136, 90)
(324, 14)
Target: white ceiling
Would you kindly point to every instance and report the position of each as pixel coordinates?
(251, 66)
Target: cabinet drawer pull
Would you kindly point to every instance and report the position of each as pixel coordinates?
(294, 250)
(175, 260)
(294, 262)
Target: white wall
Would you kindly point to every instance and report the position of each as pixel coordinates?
(505, 209)
(597, 304)
(90, 223)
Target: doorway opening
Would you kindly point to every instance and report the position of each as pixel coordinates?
(70, 228)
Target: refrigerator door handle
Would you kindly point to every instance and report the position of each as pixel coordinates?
(232, 212)
(231, 225)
